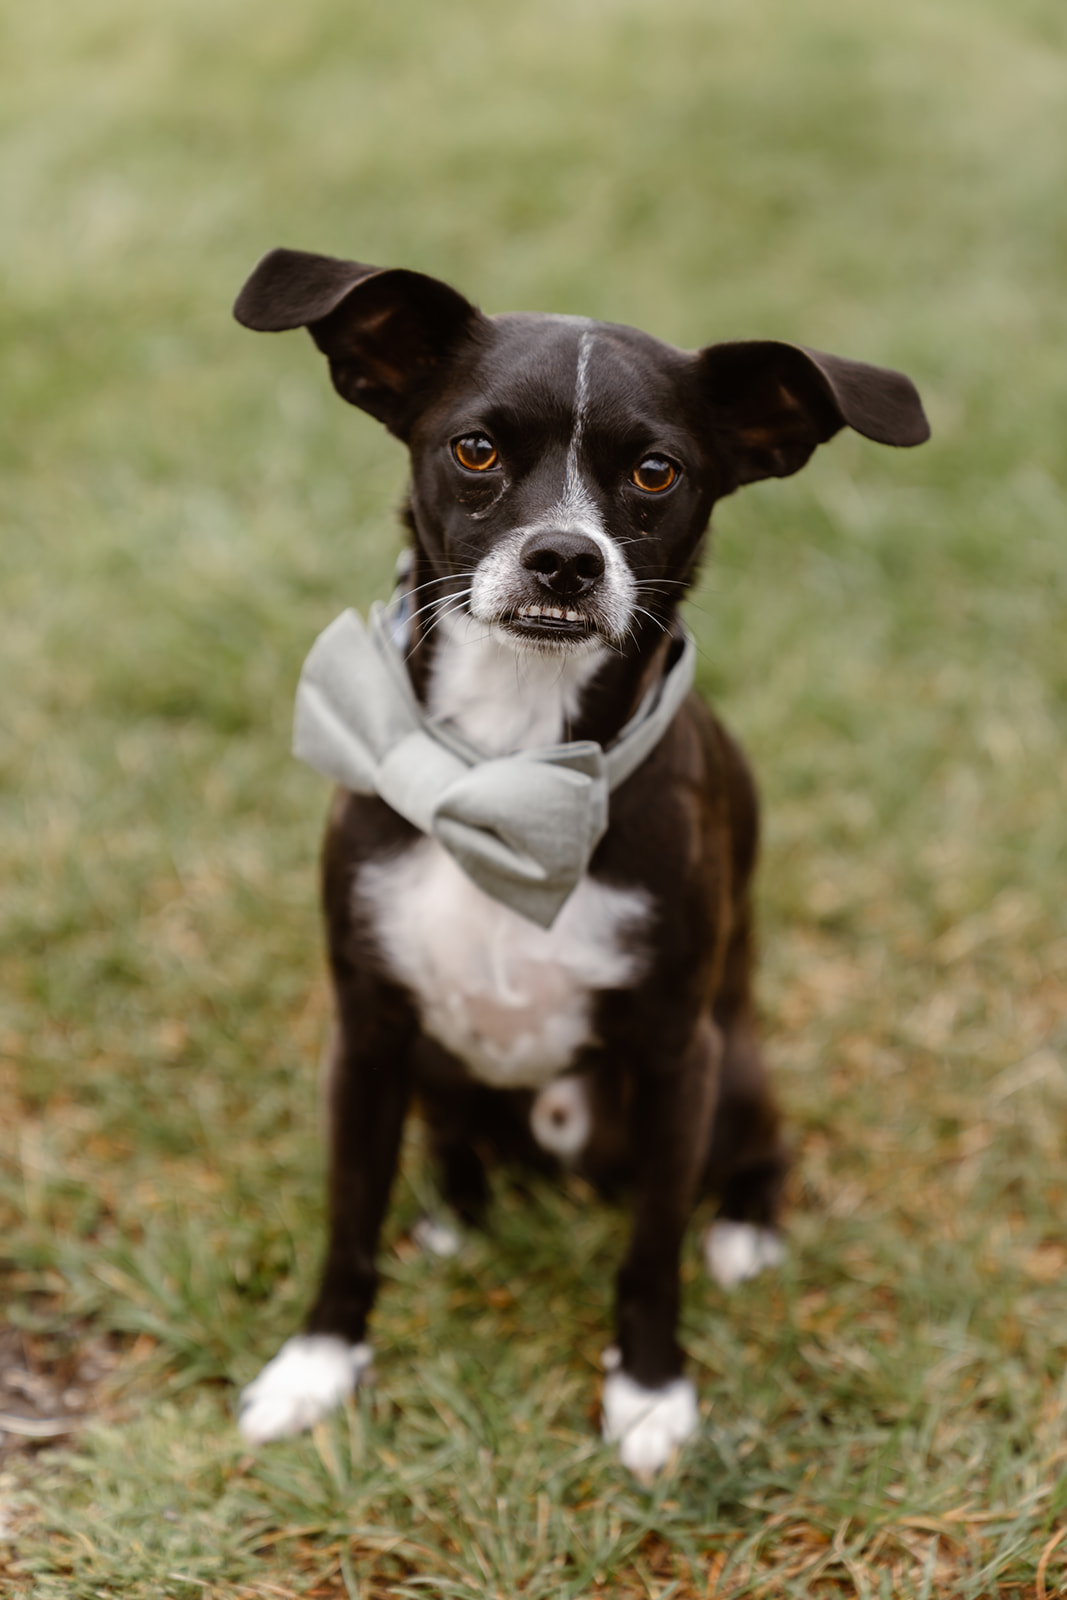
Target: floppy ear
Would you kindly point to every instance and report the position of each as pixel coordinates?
(773, 403)
(386, 332)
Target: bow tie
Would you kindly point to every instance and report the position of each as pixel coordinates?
(524, 826)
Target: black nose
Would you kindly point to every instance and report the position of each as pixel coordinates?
(566, 564)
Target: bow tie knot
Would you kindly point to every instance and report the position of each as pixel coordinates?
(523, 827)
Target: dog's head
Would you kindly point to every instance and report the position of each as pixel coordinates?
(564, 470)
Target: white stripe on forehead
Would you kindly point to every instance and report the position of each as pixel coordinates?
(576, 511)
(581, 389)
(576, 507)
(576, 501)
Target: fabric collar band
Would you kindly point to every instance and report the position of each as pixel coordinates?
(523, 827)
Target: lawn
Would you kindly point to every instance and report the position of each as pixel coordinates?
(184, 506)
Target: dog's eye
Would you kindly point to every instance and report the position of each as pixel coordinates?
(654, 474)
(475, 452)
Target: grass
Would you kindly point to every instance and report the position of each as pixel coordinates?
(184, 507)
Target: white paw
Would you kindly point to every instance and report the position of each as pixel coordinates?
(737, 1251)
(560, 1119)
(309, 1376)
(649, 1424)
(436, 1238)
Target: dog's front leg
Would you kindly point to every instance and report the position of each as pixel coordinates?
(649, 1407)
(368, 1095)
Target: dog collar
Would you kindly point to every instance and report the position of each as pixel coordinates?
(523, 827)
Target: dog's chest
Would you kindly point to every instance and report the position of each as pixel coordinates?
(511, 999)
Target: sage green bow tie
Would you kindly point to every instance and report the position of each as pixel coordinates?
(523, 827)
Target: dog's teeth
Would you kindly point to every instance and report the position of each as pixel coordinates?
(556, 613)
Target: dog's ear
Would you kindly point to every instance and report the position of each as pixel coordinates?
(773, 403)
(386, 332)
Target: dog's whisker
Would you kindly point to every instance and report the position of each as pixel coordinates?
(431, 605)
(441, 611)
(642, 611)
(446, 577)
(443, 614)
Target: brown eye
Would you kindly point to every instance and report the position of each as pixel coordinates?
(654, 474)
(475, 452)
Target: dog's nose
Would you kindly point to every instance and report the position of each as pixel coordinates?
(566, 564)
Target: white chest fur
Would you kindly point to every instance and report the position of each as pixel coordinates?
(500, 697)
(510, 999)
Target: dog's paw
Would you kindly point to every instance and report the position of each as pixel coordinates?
(436, 1238)
(309, 1376)
(649, 1424)
(737, 1251)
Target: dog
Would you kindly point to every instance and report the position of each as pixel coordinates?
(597, 1014)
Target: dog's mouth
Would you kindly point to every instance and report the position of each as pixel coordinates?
(542, 621)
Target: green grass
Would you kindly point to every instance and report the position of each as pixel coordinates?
(184, 506)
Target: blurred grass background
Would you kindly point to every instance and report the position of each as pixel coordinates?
(183, 507)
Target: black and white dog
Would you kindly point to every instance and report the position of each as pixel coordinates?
(563, 473)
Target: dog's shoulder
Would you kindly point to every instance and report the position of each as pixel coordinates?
(697, 758)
